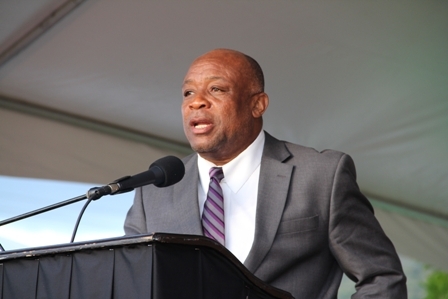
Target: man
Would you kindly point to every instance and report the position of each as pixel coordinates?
(294, 216)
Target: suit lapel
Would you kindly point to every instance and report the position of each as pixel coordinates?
(275, 177)
(185, 193)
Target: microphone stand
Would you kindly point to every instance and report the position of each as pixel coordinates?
(44, 209)
(93, 194)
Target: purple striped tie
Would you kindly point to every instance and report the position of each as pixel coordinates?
(213, 215)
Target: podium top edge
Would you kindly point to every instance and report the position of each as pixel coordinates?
(195, 240)
(149, 239)
(104, 243)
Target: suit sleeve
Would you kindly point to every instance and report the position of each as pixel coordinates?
(135, 222)
(357, 241)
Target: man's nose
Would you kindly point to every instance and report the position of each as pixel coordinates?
(199, 102)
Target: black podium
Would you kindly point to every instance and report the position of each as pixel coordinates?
(157, 266)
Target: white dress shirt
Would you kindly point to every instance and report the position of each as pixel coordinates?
(240, 190)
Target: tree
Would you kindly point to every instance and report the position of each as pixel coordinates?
(436, 285)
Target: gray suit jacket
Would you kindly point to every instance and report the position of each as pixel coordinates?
(312, 223)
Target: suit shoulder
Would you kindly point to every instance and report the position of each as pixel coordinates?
(309, 152)
(295, 154)
(327, 160)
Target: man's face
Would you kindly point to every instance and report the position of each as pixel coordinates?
(217, 108)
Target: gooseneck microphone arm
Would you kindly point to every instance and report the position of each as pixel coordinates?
(44, 209)
(162, 173)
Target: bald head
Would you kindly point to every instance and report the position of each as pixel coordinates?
(248, 67)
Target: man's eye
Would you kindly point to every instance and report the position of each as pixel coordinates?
(187, 93)
(215, 89)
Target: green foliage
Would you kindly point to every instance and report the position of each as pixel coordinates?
(436, 285)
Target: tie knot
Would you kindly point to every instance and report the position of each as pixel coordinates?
(217, 173)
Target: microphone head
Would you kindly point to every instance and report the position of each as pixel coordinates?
(172, 170)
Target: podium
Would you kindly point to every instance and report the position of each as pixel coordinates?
(156, 266)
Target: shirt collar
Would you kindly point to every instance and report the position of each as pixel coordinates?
(237, 171)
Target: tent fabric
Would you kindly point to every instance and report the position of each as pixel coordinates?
(32, 146)
(367, 78)
(413, 237)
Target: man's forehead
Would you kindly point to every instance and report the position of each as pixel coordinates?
(210, 71)
(211, 63)
(216, 65)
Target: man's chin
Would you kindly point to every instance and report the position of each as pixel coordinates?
(204, 148)
(201, 149)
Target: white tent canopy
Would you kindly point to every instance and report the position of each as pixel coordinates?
(97, 95)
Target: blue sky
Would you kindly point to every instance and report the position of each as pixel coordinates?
(103, 218)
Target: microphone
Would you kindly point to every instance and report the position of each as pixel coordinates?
(164, 172)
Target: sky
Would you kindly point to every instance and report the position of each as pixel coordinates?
(103, 218)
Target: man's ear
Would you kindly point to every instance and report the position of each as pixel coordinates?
(260, 103)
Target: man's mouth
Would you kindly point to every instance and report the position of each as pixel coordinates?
(201, 126)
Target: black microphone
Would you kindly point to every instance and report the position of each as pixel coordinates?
(164, 172)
